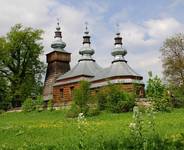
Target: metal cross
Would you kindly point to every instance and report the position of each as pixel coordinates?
(117, 27)
(58, 21)
(86, 23)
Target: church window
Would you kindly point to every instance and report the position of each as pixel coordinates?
(71, 90)
(61, 93)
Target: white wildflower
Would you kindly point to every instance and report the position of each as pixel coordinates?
(132, 125)
(80, 116)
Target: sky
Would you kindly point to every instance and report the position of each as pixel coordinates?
(144, 25)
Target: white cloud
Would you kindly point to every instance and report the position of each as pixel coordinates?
(162, 28)
(141, 40)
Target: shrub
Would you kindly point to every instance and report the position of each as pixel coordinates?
(162, 103)
(81, 99)
(177, 96)
(50, 105)
(31, 105)
(1, 111)
(28, 105)
(73, 111)
(116, 100)
(93, 111)
(101, 98)
(157, 93)
(155, 87)
(5, 105)
(82, 95)
(38, 103)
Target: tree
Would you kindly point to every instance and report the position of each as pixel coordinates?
(157, 93)
(4, 96)
(20, 65)
(81, 99)
(155, 87)
(82, 96)
(173, 59)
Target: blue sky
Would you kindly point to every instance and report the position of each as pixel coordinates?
(144, 25)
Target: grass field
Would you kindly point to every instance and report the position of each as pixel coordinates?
(50, 128)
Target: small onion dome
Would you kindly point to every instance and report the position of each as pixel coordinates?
(118, 50)
(86, 49)
(58, 42)
(118, 39)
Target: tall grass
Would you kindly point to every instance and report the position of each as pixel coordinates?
(52, 130)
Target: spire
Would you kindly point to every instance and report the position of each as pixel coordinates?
(58, 32)
(118, 39)
(118, 51)
(58, 44)
(86, 37)
(86, 51)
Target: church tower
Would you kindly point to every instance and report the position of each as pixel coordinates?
(58, 63)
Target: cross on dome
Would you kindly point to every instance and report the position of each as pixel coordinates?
(86, 32)
(58, 26)
(118, 29)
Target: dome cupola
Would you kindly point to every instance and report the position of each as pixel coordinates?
(58, 43)
(86, 51)
(118, 51)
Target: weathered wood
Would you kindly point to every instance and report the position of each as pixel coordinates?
(58, 64)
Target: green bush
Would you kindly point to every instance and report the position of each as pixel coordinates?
(73, 111)
(28, 105)
(50, 105)
(82, 95)
(157, 93)
(31, 105)
(93, 111)
(162, 103)
(5, 105)
(1, 111)
(38, 103)
(101, 98)
(114, 99)
(177, 96)
(155, 87)
(81, 100)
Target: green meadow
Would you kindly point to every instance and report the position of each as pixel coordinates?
(25, 130)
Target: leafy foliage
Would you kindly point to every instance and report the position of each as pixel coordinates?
(73, 111)
(81, 99)
(5, 103)
(31, 105)
(38, 103)
(82, 95)
(113, 98)
(177, 96)
(173, 64)
(158, 94)
(20, 66)
(173, 59)
(155, 87)
(50, 105)
(28, 105)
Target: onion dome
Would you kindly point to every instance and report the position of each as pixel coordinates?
(58, 43)
(86, 51)
(118, 51)
(86, 66)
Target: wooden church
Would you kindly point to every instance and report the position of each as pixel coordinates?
(60, 80)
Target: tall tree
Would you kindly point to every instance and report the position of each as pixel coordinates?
(20, 65)
(173, 59)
